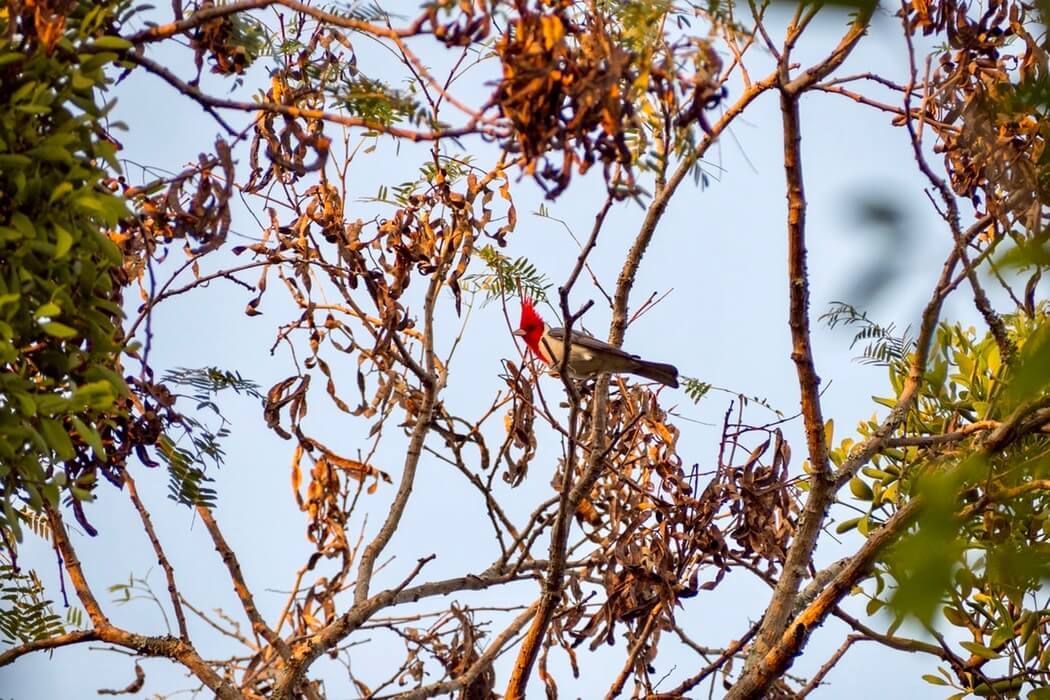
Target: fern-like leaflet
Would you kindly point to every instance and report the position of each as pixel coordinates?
(506, 277)
(201, 443)
(883, 347)
(25, 613)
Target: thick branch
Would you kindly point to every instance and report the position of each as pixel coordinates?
(570, 495)
(364, 606)
(835, 59)
(662, 197)
(754, 681)
(61, 640)
(431, 387)
(821, 491)
(861, 453)
(625, 283)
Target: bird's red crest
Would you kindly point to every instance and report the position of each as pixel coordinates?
(529, 318)
(531, 327)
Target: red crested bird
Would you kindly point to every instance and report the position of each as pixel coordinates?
(588, 355)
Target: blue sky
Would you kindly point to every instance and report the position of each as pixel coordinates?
(720, 251)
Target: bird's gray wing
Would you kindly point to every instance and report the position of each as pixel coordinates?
(589, 341)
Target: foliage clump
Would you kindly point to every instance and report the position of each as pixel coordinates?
(62, 405)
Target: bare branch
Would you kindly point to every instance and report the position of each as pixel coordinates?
(195, 20)
(821, 673)
(483, 662)
(804, 540)
(170, 647)
(169, 572)
(210, 103)
(47, 644)
(244, 594)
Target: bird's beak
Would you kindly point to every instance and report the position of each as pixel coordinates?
(520, 333)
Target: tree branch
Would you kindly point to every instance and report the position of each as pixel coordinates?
(754, 681)
(210, 103)
(819, 676)
(570, 495)
(483, 662)
(169, 572)
(170, 647)
(634, 651)
(821, 491)
(731, 650)
(951, 215)
(244, 594)
(61, 640)
(199, 18)
(365, 606)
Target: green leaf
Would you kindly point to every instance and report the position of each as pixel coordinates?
(23, 224)
(955, 617)
(860, 489)
(98, 395)
(26, 405)
(1031, 377)
(979, 650)
(90, 436)
(1001, 636)
(58, 330)
(59, 192)
(57, 438)
(111, 43)
(1031, 648)
(81, 494)
(934, 680)
(51, 404)
(63, 242)
(847, 525)
(48, 310)
(79, 81)
(51, 154)
(14, 161)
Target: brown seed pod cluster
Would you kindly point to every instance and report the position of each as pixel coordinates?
(565, 89)
(458, 22)
(295, 144)
(663, 538)
(431, 234)
(220, 42)
(193, 206)
(984, 95)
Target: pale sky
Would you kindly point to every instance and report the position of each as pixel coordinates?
(720, 249)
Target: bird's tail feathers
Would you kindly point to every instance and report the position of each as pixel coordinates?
(657, 372)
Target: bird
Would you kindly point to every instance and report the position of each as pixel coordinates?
(588, 355)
